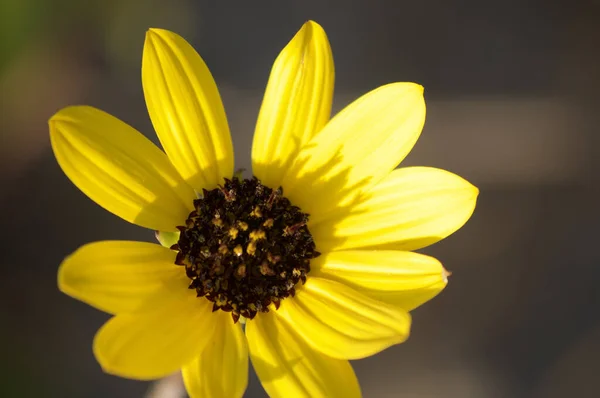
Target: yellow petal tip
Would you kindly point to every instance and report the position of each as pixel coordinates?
(154, 31)
(61, 278)
(310, 24)
(111, 367)
(63, 114)
(153, 34)
(412, 87)
(53, 118)
(415, 86)
(308, 31)
(57, 121)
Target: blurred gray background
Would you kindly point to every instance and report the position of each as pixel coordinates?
(511, 87)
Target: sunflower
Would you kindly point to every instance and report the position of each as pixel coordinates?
(304, 266)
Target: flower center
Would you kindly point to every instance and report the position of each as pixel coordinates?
(245, 246)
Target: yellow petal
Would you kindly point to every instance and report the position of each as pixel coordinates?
(411, 208)
(152, 345)
(186, 110)
(222, 368)
(297, 103)
(119, 168)
(403, 279)
(356, 149)
(343, 323)
(288, 367)
(122, 276)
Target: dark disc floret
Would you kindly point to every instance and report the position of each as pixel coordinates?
(245, 247)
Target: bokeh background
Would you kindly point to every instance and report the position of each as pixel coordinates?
(512, 91)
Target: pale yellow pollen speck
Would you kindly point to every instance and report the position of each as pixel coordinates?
(223, 249)
(217, 221)
(238, 250)
(256, 212)
(268, 223)
(251, 249)
(257, 235)
(233, 232)
(243, 226)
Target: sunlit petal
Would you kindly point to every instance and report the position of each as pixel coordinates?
(288, 367)
(152, 345)
(343, 323)
(297, 103)
(186, 110)
(119, 168)
(222, 368)
(122, 276)
(411, 208)
(356, 149)
(403, 279)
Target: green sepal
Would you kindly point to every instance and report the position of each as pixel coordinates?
(167, 239)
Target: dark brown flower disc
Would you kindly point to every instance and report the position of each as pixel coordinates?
(245, 247)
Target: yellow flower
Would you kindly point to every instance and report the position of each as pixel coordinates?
(244, 248)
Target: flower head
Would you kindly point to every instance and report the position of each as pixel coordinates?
(313, 254)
